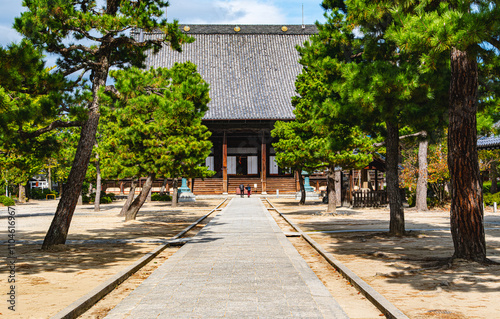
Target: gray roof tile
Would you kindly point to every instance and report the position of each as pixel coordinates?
(488, 143)
(251, 73)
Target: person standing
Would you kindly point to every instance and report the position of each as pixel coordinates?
(242, 190)
(249, 190)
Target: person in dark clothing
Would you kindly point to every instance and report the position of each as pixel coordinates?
(249, 189)
(242, 190)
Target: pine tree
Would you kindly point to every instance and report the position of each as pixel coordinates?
(467, 32)
(381, 87)
(90, 38)
(158, 130)
(323, 137)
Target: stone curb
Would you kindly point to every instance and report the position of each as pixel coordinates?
(384, 305)
(86, 302)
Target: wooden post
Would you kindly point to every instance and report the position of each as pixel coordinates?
(224, 165)
(263, 171)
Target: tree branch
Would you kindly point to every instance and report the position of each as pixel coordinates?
(421, 133)
(112, 89)
(52, 126)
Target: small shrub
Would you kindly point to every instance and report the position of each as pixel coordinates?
(161, 198)
(489, 199)
(7, 201)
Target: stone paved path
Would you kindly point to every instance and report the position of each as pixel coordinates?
(239, 266)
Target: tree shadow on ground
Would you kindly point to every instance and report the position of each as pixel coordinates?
(422, 259)
(105, 249)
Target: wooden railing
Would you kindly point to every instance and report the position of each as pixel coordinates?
(369, 198)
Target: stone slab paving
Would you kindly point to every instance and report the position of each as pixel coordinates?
(238, 266)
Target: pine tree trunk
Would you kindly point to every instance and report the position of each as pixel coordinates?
(98, 186)
(493, 176)
(163, 186)
(130, 198)
(332, 196)
(421, 197)
(466, 213)
(58, 230)
(302, 189)
(22, 194)
(50, 177)
(174, 195)
(132, 211)
(397, 217)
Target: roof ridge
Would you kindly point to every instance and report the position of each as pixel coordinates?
(285, 29)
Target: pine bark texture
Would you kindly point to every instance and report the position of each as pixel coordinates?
(136, 205)
(98, 186)
(421, 196)
(397, 218)
(22, 194)
(332, 196)
(58, 230)
(302, 189)
(466, 213)
(174, 195)
(130, 198)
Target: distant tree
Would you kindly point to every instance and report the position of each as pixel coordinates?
(158, 130)
(90, 37)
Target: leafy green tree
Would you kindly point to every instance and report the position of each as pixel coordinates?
(91, 38)
(467, 33)
(158, 130)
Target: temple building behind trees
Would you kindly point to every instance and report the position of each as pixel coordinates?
(251, 70)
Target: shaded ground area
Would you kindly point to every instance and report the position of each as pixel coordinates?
(408, 271)
(48, 281)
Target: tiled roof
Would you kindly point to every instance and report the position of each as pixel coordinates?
(251, 72)
(488, 143)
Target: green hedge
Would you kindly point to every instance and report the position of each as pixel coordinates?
(105, 198)
(161, 198)
(38, 193)
(7, 201)
(487, 187)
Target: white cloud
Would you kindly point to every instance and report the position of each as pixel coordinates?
(249, 12)
(226, 12)
(8, 35)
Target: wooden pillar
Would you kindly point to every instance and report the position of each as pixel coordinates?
(376, 180)
(224, 165)
(263, 171)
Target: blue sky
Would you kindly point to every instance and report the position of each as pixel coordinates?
(202, 12)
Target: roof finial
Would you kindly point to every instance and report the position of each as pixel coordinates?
(303, 25)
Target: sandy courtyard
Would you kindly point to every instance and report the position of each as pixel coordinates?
(411, 272)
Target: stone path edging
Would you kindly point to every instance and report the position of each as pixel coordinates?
(384, 305)
(86, 302)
